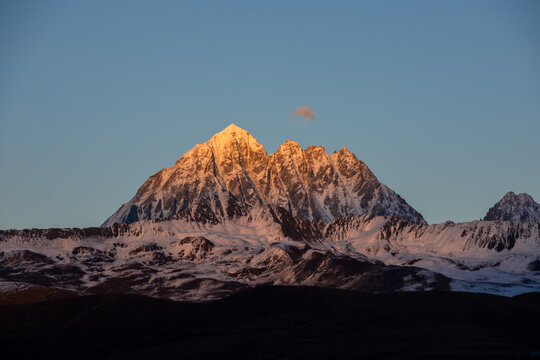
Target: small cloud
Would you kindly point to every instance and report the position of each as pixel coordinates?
(306, 112)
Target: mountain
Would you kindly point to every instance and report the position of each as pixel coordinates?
(515, 207)
(228, 217)
(185, 259)
(231, 174)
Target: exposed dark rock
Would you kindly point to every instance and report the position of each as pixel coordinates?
(146, 248)
(25, 256)
(534, 265)
(201, 246)
(517, 208)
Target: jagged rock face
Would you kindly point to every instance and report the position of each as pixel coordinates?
(232, 173)
(518, 208)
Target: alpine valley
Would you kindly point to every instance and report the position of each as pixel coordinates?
(228, 216)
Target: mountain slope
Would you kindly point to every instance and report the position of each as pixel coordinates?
(515, 207)
(231, 174)
(186, 259)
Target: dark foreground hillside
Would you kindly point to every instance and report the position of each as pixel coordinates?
(277, 323)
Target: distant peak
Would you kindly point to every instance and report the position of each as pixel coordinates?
(289, 144)
(232, 131)
(519, 197)
(232, 126)
(344, 150)
(510, 194)
(233, 140)
(515, 207)
(344, 153)
(315, 147)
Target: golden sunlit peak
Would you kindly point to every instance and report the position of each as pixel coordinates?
(289, 144)
(232, 126)
(232, 130)
(233, 133)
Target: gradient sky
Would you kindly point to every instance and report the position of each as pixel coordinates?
(440, 99)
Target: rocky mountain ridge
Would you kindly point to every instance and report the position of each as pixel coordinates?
(232, 174)
(515, 207)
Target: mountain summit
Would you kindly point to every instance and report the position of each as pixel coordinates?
(231, 174)
(515, 207)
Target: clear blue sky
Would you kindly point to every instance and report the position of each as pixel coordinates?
(441, 99)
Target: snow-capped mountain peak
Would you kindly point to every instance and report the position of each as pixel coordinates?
(233, 134)
(515, 207)
(232, 173)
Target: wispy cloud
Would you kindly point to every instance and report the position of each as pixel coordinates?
(304, 113)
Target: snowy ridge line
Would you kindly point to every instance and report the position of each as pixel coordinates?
(187, 259)
(490, 235)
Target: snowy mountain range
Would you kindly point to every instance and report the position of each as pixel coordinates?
(227, 216)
